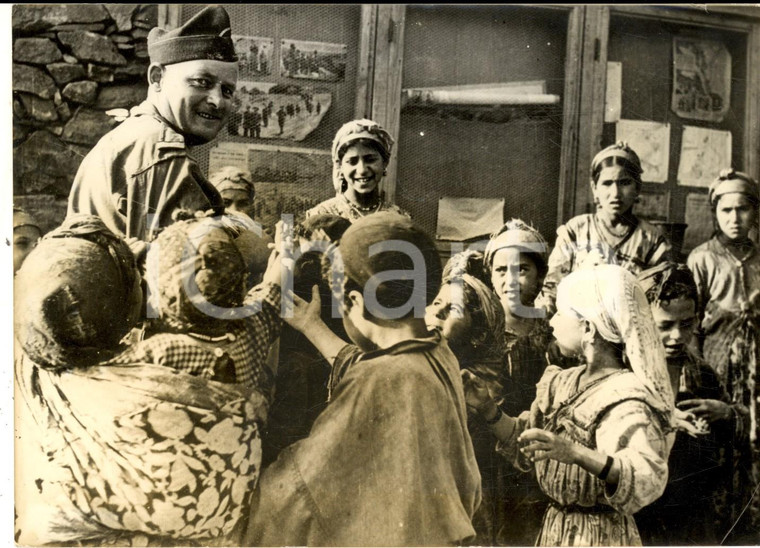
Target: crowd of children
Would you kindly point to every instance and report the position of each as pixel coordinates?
(185, 377)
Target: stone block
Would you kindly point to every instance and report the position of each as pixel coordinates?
(83, 92)
(89, 46)
(70, 58)
(44, 163)
(132, 71)
(42, 110)
(141, 50)
(140, 34)
(48, 210)
(122, 15)
(64, 114)
(63, 73)
(73, 27)
(99, 73)
(146, 16)
(40, 51)
(121, 38)
(28, 18)
(33, 80)
(87, 126)
(121, 96)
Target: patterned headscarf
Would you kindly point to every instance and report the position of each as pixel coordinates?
(517, 233)
(76, 295)
(618, 150)
(191, 265)
(459, 267)
(353, 131)
(609, 297)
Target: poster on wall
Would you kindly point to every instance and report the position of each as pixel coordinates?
(266, 110)
(701, 79)
(288, 180)
(313, 60)
(704, 152)
(653, 206)
(651, 141)
(698, 217)
(254, 56)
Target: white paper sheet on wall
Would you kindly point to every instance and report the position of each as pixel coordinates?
(651, 141)
(698, 217)
(461, 219)
(704, 152)
(613, 95)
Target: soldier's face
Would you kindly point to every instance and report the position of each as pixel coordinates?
(196, 96)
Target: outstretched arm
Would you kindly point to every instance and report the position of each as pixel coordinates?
(307, 320)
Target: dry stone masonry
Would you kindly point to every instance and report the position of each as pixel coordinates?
(71, 64)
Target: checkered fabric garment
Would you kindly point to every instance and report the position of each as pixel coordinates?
(245, 347)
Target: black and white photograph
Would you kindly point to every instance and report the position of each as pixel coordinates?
(313, 60)
(382, 275)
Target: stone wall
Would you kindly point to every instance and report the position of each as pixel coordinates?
(71, 64)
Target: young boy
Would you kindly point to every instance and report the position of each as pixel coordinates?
(686, 512)
(140, 173)
(726, 269)
(389, 461)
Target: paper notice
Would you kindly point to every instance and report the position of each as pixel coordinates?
(698, 217)
(461, 219)
(228, 154)
(704, 152)
(613, 96)
(651, 141)
(653, 206)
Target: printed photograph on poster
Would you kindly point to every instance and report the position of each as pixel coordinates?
(704, 152)
(652, 205)
(313, 60)
(288, 180)
(701, 79)
(254, 56)
(651, 141)
(699, 220)
(266, 110)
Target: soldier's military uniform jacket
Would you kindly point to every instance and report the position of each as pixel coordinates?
(138, 175)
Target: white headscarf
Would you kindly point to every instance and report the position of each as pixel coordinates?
(611, 299)
(353, 131)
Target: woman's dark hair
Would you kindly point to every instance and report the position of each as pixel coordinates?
(633, 170)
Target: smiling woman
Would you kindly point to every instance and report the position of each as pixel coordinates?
(361, 151)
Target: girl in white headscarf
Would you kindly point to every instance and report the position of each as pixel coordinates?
(598, 435)
(361, 152)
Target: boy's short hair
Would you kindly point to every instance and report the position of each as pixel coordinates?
(386, 246)
(668, 281)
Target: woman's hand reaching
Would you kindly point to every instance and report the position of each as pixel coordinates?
(538, 444)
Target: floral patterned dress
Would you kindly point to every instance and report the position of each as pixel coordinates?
(730, 341)
(611, 415)
(133, 455)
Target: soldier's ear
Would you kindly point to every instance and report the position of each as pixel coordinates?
(155, 76)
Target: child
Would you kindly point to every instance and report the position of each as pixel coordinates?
(596, 435)
(613, 231)
(726, 269)
(236, 188)
(705, 430)
(206, 325)
(389, 461)
(26, 233)
(470, 317)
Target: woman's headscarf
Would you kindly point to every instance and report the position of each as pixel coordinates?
(609, 297)
(233, 178)
(196, 273)
(353, 131)
(730, 181)
(76, 295)
(517, 233)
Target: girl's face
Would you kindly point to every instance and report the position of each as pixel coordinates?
(515, 278)
(736, 216)
(448, 314)
(362, 168)
(25, 239)
(616, 191)
(568, 331)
